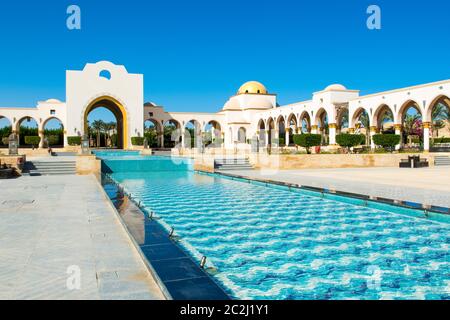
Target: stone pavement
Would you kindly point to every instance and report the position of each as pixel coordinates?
(52, 225)
(430, 186)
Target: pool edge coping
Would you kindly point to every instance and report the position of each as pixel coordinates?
(148, 265)
(146, 261)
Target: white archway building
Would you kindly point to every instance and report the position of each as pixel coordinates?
(252, 112)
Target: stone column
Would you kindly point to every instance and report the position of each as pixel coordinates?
(398, 131)
(288, 133)
(183, 138)
(199, 140)
(426, 136)
(276, 136)
(42, 136)
(266, 142)
(314, 129)
(162, 140)
(66, 143)
(332, 129)
(373, 131)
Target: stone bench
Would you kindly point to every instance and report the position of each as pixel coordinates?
(414, 162)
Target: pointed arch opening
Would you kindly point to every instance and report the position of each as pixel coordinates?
(5, 131)
(53, 133)
(101, 126)
(172, 134)
(26, 127)
(412, 123)
(439, 114)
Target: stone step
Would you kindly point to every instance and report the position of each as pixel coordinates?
(48, 168)
(236, 168)
(55, 166)
(52, 163)
(53, 173)
(442, 161)
(232, 161)
(228, 164)
(53, 169)
(442, 164)
(233, 164)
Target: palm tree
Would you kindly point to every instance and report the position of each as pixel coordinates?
(365, 122)
(439, 115)
(387, 117)
(344, 118)
(410, 124)
(447, 114)
(98, 125)
(107, 128)
(112, 127)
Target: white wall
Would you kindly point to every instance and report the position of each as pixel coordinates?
(240, 111)
(83, 87)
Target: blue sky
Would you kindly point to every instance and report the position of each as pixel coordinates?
(196, 54)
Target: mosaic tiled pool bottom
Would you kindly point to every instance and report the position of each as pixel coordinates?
(272, 243)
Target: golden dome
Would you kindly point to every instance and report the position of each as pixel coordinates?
(252, 87)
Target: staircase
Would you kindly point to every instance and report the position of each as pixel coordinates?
(162, 152)
(50, 168)
(229, 164)
(442, 161)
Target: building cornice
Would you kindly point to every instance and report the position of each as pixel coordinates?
(402, 89)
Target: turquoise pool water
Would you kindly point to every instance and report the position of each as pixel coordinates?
(132, 161)
(272, 243)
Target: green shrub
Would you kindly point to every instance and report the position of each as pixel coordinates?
(5, 132)
(387, 141)
(137, 141)
(53, 140)
(380, 150)
(348, 141)
(281, 142)
(442, 140)
(152, 138)
(307, 141)
(74, 141)
(32, 140)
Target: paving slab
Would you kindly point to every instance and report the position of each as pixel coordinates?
(49, 224)
(430, 186)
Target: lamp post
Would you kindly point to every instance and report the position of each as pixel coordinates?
(85, 150)
(13, 145)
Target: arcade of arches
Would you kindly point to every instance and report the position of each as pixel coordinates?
(418, 113)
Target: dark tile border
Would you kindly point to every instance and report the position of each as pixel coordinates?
(175, 270)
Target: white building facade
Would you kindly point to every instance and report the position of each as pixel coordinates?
(252, 114)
